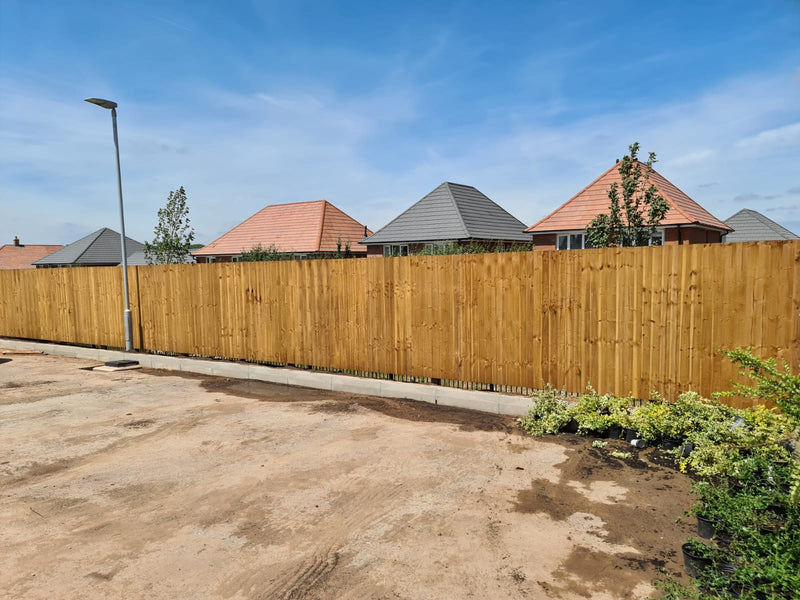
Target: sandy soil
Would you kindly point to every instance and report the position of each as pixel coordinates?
(145, 484)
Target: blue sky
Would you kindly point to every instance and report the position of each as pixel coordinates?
(371, 105)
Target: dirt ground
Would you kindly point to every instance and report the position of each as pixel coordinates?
(148, 484)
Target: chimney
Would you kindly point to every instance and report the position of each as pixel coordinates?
(365, 231)
(16, 241)
(617, 161)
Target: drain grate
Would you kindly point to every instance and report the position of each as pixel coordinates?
(122, 363)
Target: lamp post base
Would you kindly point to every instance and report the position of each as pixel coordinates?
(128, 331)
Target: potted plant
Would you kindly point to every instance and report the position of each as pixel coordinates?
(650, 420)
(597, 414)
(724, 514)
(696, 557)
(549, 413)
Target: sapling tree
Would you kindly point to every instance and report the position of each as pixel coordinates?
(173, 234)
(342, 253)
(632, 218)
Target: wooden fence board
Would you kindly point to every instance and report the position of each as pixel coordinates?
(629, 320)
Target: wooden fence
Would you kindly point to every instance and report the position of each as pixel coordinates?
(629, 321)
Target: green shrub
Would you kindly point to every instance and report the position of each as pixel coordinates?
(782, 388)
(770, 383)
(258, 254)
(595, 413)
(549, 413)
(473, 247)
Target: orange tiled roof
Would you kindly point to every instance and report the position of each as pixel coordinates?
(297, 227)
(24, 255)
(577, 212)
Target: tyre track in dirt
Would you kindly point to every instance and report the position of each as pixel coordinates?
(357, 507)
(165, 487)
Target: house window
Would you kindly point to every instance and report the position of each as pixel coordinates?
(211, 259)
(573, 241)
(578, 241)
(395, 250)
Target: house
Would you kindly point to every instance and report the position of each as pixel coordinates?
(22, 256)
(139, 259)
(751, 226)
(686, 221)
(450, 213)
(98, 249)
(300, 229)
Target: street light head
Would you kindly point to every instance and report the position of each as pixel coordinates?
(100, 102)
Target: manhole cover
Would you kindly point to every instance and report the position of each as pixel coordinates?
(121, 363)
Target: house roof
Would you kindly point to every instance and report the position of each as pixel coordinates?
(314, 226)
(451, 212)
(752, 226)
(100, 248)
(138, 259)
(23, 256)
(577, 212)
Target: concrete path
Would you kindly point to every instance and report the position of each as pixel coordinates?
(503, 404)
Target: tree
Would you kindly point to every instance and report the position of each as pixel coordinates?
(173, 235)
(632, 221)
(339, 252)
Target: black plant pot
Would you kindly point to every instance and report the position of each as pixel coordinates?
(779, 510)
(670, 443)
(705, 528)
(570, 427)
(614, 432)
(771, 527)
(735, 485)
(722, 538)
(693, 563)
(631, 435)
(727, 568)
(686, 449)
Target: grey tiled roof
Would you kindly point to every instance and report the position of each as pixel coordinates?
(452, 212)
(99, 248)
(752, 226)
(136, 259)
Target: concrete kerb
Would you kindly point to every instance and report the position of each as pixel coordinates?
(489, 402)
(513, 406)
(408, 391)
(467, 399)
(260, 373)
(356, 385)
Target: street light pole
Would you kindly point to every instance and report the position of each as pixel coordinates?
(127, 314)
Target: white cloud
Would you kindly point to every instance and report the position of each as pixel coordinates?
(369, 154)
(772, 140)
(691, 158)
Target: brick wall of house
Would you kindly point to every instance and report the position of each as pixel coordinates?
(691, 235)
(219, 259)
(688, 235)
(544, 241)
